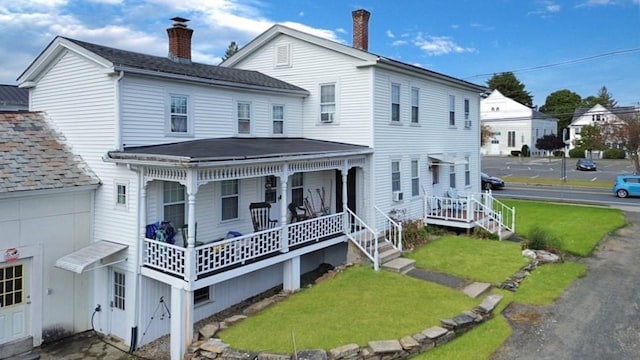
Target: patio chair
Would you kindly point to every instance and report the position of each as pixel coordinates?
(260, 216)
(297, 213)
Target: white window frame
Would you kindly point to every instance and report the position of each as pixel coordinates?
(396, 90)
(452, 176)
(452, 110)
(415, 177)
(166, 203)
(275, 120)
(297, 185)
(415, 105)
(396, 184)
(435, 173)
(467, 106)
(242, 118)
(467, 171)
(171, 113)
(328, 108)
(207, 295)
(119, 289)
(121, 199)
(511, 139)
(224, 196)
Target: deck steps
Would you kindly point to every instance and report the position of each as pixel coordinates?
(400, 265)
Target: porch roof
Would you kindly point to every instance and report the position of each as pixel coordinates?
(235, 149)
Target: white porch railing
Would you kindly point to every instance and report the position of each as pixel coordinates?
(389, 228)
(364, 237)
(219, 255)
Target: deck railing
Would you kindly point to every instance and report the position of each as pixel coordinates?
(227, 253)
(389, 228)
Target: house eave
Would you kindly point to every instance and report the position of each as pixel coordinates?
(46, 192)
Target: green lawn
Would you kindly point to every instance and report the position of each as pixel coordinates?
(605, 184)
(578, 228)
(471, 258)
(357, 306)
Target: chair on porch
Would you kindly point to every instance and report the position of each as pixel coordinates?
(260, 216)
(297, 213)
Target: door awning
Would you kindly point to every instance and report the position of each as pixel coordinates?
(435, 159)
(79, 261)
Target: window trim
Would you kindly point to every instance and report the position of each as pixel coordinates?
(415, 105)
(238, 119)
(467, 171)
(452, 176)
(297, 186)
(188, 114)
(395, 102)
(117, 196)
(274, 120)
(164, 203)
(452, 110)
(435, 173)
(415, 178)
(200, 299)
(399, 172)
(236, 195)
(333, 115)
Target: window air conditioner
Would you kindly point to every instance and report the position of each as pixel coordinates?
(467, 123)
(397, 196)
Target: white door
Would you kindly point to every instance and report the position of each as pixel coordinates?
(14, 301)
(494, 148)
(272, 196)
(117, 303)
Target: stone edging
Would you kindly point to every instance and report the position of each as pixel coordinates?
(408, 346)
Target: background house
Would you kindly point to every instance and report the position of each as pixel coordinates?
(513, 125)
(46, 210)
(600, 116)
(13, 98)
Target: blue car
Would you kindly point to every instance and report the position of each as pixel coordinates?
(626, 185)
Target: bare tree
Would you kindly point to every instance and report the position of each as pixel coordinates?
(485, 134)
(627, 133)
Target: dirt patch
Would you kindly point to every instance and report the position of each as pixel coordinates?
(522, 314)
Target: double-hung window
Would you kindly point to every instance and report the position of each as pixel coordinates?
(467, 171)
(179, 117)
(467, 122)
(511, 139)
(452, 176)
(229, 195)
(415, 105)
(395, 102)
(297, 189)
(327, 102)
(452, 110)
(244, 117)
(395, 176)
(277, 115)
(173, 203)
(415, 178)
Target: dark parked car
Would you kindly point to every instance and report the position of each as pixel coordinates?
(626, 185)
(586, 165)
(491, 182)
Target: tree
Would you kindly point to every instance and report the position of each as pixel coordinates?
(485, 134)
(561, 104)
(590, 138)
(511, 87)
(604, 98)
(232, 49)
(550, 143)
(628, 135)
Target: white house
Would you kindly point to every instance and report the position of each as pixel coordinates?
(513, 125)
(597, 115)
(46, 208)
(265, 170)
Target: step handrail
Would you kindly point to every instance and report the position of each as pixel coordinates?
(391, 228)
(365, 238)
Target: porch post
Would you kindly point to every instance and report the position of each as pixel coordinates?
(291, 278)
(178, 337)
(284, 202)
(190, 254)
(345, 217)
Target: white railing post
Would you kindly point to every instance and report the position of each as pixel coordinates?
(344, 172)
(284, 234)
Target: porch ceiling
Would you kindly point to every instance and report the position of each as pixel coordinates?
(235, 149)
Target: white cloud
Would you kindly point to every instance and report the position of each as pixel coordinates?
(439, 45)
(301, 13)
(455, 26)
(399, 43)
(547, 9)
(390, 34)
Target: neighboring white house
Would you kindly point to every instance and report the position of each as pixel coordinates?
(513, 125)
(597, 115)
(350, 136)
(46, 211)
(13, 98)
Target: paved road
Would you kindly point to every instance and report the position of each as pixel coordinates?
(597, 317)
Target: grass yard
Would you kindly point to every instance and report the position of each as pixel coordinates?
(578, 228)
(605, 184)
(356, 306)
(471, 258)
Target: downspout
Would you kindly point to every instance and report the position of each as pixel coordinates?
(118, 116)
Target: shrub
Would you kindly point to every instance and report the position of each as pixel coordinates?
(414, 234)
(526, 152)
(515, 153)
(558, 153)
(614, 154)
(484, 234)
(577, 153)
(541, 239)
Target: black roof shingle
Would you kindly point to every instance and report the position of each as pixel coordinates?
(14, 95)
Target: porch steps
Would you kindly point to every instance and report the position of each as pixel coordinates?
(400, 265)
(19, 349)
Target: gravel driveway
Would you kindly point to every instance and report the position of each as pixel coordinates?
(597, 317)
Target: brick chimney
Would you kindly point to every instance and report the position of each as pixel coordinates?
(361, 29)
(180, 41)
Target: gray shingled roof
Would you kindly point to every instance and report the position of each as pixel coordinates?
(12, 94)
(34, 157)
(226, 149)
(129, 59)
(618, 110)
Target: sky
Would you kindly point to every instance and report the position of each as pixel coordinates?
(550, 45)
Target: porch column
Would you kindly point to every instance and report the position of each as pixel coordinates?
(178, 337)
(291, 274)
(190, 254)
(345, 172)
(284, 202)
